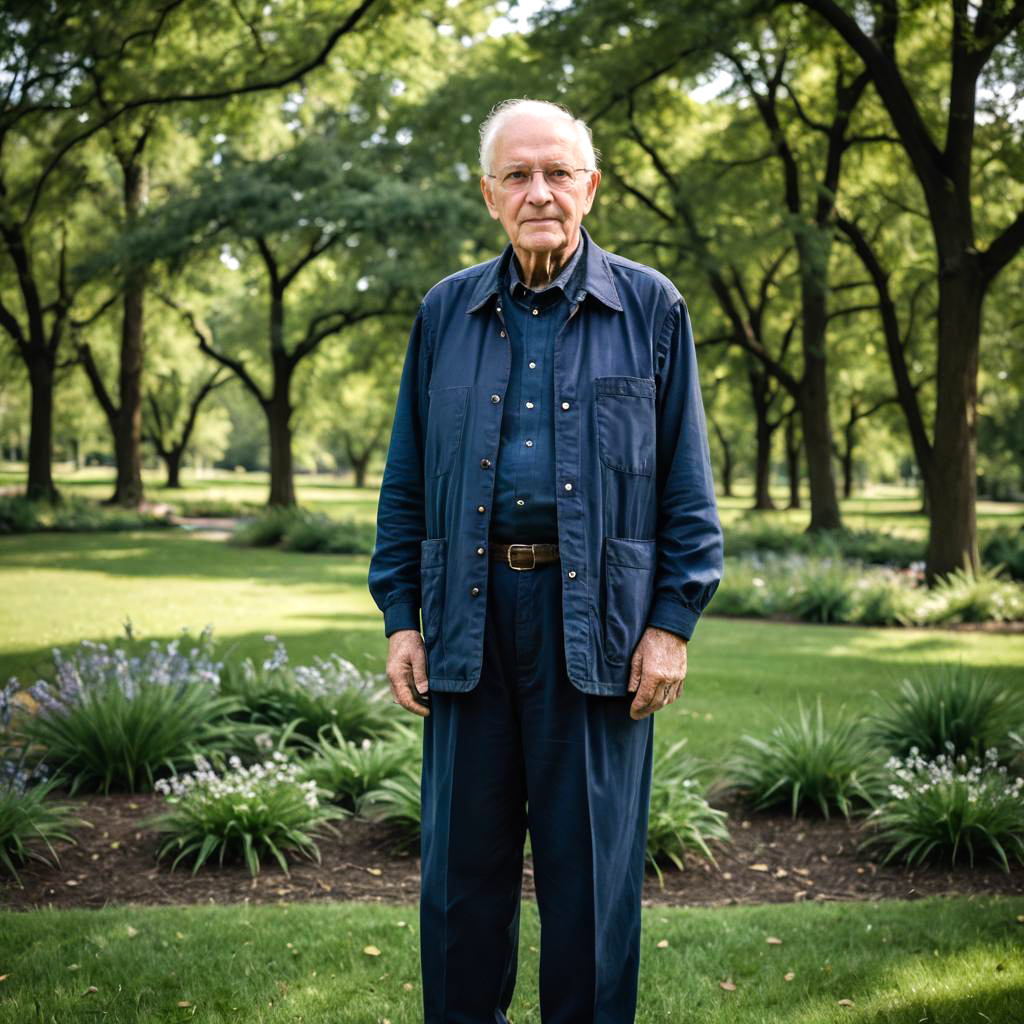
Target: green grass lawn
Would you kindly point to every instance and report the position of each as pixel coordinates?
(57, 589)
(942, 961)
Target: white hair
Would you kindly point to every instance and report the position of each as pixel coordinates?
(507, 109)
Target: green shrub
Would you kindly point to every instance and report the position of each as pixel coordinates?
(948, 808)
(806, 763)
(823, 592)
(967, 596)
(681, 819)
(213, 508)
(71, 513)
(946, 709)
(331, 691)
(350, 770)
(757, 535)
(112, 718)
(1005, 546)
(745, 590)
(245, 811)
(883, 598)
(28, 818)
(397, 801)
(266, 529)
(319, 534)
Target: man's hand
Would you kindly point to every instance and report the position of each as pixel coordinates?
(407, 669)
(657, 671)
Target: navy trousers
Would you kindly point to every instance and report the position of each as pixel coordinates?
(525, 750)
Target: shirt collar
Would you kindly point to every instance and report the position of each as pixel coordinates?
(596, 272)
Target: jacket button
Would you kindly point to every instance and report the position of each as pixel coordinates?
(502, 333)
(529, 405)
(495, 399)
(480, 508)
(572, 574)
(485, 463)
(479, 551)
(474, 591)
(565, 405)
(568, 487)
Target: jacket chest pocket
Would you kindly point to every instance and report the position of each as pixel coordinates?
(625, 423)
(446, 418)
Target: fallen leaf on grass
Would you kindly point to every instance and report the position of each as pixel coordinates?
(727, 985)
(183, 1003)
(407, 985)
(780, 873)
(845, 1002)
(758, 867)
(375, 871)
(4, 977)
(788, 976)
(90, 990)
(773, 940)
(1020, 919)
(663, 944)
(371, 950)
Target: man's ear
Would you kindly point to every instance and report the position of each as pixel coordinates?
(488, 194)
(588, 198)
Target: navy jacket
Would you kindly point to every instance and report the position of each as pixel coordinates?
(638, 530)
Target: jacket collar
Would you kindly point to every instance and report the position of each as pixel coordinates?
(597, 279)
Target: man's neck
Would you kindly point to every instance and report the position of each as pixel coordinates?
(538, 269)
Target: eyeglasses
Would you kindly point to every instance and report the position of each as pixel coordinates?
(558, 176)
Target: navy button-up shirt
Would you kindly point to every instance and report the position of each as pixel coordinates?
(524, 487)
(638, 532)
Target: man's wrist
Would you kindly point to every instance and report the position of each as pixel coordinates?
(401, 615)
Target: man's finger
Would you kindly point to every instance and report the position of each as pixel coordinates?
(403, 688)
(635, 670)
(419, 669)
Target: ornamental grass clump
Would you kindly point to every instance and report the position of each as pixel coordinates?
(397, 801)
(681, 820)
(28, 819)
(949, 807)
(806, 763)
(952, 709)
(987, 595)
(350, 770)
(331, 691)
(113, 717)
(242, 811)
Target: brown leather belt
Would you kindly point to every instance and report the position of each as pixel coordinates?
(524, 556)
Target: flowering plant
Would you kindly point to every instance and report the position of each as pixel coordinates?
(949, 805)
(264, 807)
(112, 716)
(331, 691)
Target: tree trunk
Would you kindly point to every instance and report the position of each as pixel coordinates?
(172, 462)
(817, 431)
(850, 439)
(953, 526)
(359, 468)
(763, 452)
(128, 490)
(792, 462)
(279, 423)
(40, 439)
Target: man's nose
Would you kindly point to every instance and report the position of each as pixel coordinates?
(539, 191)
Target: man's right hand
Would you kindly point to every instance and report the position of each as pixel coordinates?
(407, 669)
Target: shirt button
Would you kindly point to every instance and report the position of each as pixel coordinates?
(529, 405)
(519, 501)
(495, 399)
(536, 311)
(474, 591)
(502, 333)
(565, 405)
(533, 365)
(572, 574)
(485, 463)
(480, 508)
(529, 444)
(568, 487)
(499, 309)
(479, 551)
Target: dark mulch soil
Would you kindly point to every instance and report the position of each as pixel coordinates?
(771, 859)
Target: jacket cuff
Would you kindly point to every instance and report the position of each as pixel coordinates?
(672, 616)
(401, 616)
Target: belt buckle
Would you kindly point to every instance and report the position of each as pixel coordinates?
(520, 568)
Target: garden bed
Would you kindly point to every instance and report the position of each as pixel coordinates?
(772, 859)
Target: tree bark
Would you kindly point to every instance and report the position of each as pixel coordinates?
(792, 461)
(40, 439)
(760, 398)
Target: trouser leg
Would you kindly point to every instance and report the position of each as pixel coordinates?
(588, 770)
(473, 831)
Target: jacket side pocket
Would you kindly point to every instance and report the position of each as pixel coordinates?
(628, 583)
(433, 563)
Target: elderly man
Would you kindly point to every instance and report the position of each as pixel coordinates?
(548, 507)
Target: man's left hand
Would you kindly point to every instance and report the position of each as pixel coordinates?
(657, 671)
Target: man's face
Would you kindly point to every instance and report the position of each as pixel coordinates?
(541, 221)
